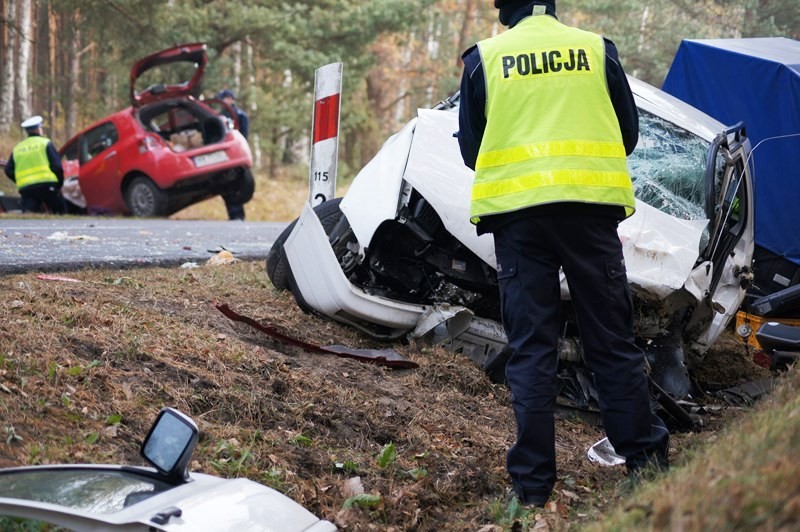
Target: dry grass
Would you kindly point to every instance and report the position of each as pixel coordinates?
(7, 144)
(745, 478)
(85, 367)
(7, 187)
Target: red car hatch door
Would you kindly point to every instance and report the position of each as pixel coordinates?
(194, 59)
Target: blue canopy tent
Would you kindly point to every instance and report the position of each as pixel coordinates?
(756, 81)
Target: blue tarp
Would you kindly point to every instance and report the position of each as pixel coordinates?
(756, 81)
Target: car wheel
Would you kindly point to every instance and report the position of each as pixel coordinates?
(242, 188)
(145, 199)
(277, 268)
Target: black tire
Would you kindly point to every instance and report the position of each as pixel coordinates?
(145, 199)
(241, 190)
(278, 271)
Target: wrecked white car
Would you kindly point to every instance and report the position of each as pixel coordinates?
(398, 256)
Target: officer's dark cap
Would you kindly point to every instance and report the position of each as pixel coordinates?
(509, 7)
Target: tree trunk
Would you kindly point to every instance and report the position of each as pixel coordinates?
(274, 152)
(39, 100)
(52, 68)
(24, 60)
(3, 37)
(255, 140)
(7, 83)
(73, 76)
(237, 68)
(466, 29)
(642, 32)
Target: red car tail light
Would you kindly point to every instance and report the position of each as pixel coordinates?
(149, 142)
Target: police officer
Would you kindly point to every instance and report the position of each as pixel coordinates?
(36, 168)
(546, 121)
(235, 209)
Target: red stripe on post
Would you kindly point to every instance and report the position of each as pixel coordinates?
(326, 118)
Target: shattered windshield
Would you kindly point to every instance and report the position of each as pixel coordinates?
(668, 168)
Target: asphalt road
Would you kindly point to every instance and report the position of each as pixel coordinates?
(63, 244)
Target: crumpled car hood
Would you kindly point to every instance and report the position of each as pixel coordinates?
(660, 250)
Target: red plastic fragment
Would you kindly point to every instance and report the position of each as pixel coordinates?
(383, 357)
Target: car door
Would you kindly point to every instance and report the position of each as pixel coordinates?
(727, 198)
(99, 171)
(730, 207)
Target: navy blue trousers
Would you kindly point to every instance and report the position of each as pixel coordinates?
(235, 210)
(529, 252)
(42, 197)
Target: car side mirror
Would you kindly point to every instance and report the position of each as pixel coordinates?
(170, 443)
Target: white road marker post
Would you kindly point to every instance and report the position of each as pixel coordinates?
(325, 133)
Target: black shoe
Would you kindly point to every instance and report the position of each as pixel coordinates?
(525, 501)
(513, 500)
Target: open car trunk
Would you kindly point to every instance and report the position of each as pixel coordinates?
(183, 124)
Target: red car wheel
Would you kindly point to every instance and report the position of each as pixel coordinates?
(145, 199)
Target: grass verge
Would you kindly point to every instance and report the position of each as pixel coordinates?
(746, 478)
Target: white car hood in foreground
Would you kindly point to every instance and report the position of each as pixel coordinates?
(241, 505)
(205, 503)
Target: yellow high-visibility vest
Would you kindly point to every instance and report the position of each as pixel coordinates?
(31, 165)
(552, 134)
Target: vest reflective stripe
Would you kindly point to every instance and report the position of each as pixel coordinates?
(552, 134)
(550, 149)
(31, 165)
(550, 178)
(573, 163)
(550, 194)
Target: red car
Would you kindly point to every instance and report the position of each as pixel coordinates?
(165, 152)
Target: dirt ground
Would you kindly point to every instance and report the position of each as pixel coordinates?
(85, 367)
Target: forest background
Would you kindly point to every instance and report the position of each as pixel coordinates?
(69, 60)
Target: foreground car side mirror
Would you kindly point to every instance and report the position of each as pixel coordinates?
(169, 445)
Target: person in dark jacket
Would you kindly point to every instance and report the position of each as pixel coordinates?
(235, 209)
(35, 167)
(228, 96)
(546, 120)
